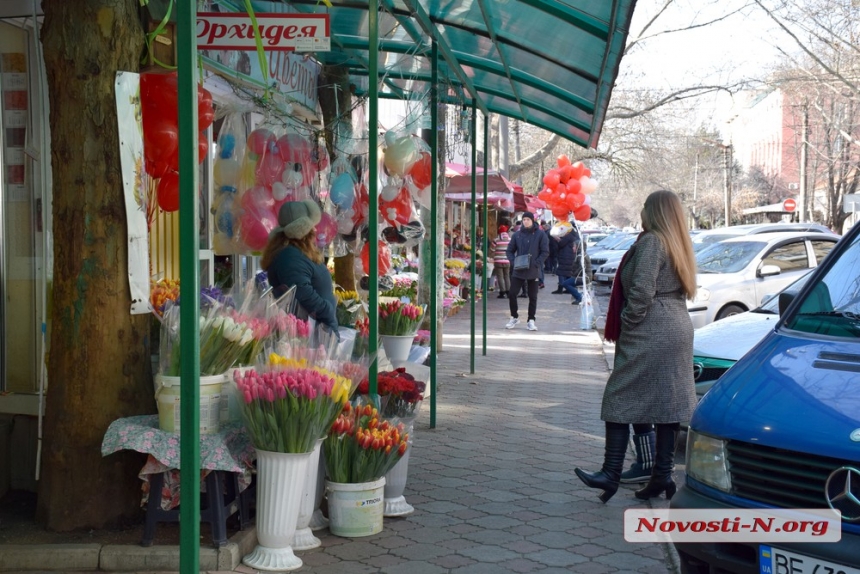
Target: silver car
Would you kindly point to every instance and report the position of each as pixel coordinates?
(734, 274)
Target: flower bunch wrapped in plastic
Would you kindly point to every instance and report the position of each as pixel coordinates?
(400, 393)
(349, 306)
(222, 339)
(289, 409)
(362, 448)
(422, 338)
(396, 318)
(161, 292)
(362, 338)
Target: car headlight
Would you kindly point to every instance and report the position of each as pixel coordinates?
(702, 295)
(707, 462)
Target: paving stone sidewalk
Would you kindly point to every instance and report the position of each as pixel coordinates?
(493, 484)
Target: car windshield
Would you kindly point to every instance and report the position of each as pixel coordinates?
(706, 240)
(625, 244)
(727, 257)
(608, 242)
(832, 306)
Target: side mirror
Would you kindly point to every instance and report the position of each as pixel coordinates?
(785, 299)
(768, 270)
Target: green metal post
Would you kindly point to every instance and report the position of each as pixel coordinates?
(372, 185)
(189, 276)
(434, 216)
(486, 229)
(472, 237)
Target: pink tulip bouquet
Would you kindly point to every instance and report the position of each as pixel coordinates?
(397, 318)
(289, 409)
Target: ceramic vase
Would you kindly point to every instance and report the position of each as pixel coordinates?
(280, 483)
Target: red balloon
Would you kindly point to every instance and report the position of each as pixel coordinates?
(202, 147)
(551, 179)
(564, 174)
(205, 111)
(586, 172)
(563, 160)
(156, 169)
(259, 140)
(422, 170)
(383, 258)
(560, 211)
(168, 192)
(295, 149)
(399, 210)
(583, 213)
(544, 194)
(575, 200)
(573, 185)
(158, 95)
(160, 139)
(576, 170)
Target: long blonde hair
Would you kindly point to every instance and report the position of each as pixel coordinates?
(663, 215)
(307, 245)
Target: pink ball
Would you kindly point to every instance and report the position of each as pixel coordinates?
(256, 229)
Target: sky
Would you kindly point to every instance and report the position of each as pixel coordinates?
(739, 47)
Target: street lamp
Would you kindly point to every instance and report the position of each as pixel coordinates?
(727, 176)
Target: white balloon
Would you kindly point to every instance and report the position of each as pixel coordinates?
(389, 192)
(279, 191)
(588, 185)
(226, 172)
(587, 200)
(344, 222)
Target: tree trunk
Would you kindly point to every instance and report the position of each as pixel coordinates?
(335, 97)
(99, 359)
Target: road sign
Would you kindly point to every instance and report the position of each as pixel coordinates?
(851, 202)
(789, 205)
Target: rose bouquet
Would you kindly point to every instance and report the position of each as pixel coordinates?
(289, 409)
(362, 448)
(396, 318)
(400, 393)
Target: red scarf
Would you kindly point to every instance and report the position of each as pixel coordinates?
(616, 301)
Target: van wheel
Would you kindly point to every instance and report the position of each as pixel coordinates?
(729, 310)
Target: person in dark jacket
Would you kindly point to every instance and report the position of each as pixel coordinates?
(529, 240)
(570, 269)
(552, 260)
(292, 258)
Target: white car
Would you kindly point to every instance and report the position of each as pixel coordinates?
(606, 273)
(736, 273)
(705, 237)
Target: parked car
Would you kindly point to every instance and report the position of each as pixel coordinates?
(781, 429)
(734, 274)
(613, 251)
(703, 238)
(718, 346)
(592, 239)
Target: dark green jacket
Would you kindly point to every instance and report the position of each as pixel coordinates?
(314, 288)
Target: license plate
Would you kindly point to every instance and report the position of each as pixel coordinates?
(778, 561)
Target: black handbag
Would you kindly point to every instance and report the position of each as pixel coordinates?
(522, 262)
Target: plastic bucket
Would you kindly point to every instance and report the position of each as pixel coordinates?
(168, 398)
(355, 510)
(397, 347)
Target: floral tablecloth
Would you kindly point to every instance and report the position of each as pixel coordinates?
(229, 450)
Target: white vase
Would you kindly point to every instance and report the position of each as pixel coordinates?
(280, 481)
(304, 539)
(395, 484)
(397, 347)
(318, 520)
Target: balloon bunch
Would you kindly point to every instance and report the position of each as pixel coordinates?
(256, 183)
(159, 101)
(567, 189)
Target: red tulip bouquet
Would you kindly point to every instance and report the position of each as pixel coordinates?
(362, 448)
(290, 407)
(397, 318)
(400, 393)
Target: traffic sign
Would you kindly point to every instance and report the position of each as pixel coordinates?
(789, 205)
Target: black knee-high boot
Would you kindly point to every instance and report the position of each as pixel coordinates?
(664, 463)
(613, 462)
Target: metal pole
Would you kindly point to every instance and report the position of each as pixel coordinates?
(373, 184)
(804, 166)
(727, 157)
(485, 247)
(472, 236)
(189, 276)
(434, 216)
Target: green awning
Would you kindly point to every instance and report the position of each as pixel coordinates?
(548, 63)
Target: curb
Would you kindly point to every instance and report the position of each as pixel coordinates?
(121, 558)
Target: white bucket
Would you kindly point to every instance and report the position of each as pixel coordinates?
(168, 399)
(397, 347)
(355, 510)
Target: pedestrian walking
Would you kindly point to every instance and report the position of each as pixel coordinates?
(291, 257)
(571, 271)
(527, 251)
(651, 380)
(502, 267)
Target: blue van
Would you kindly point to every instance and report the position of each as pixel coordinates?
(781, 429)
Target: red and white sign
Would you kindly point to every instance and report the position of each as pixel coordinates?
(789, 205)
(287, 32)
